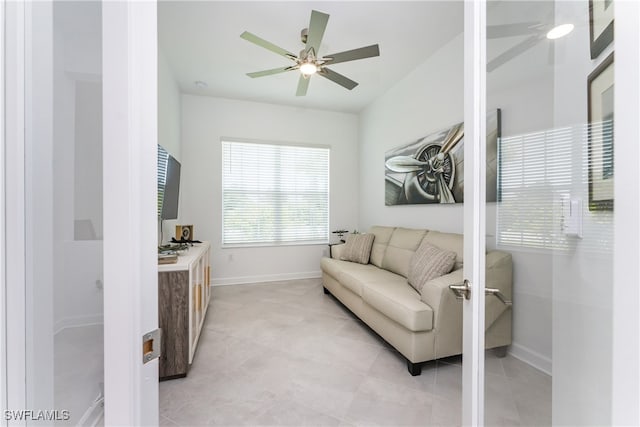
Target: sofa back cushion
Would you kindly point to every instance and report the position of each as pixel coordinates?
(383, 234)
(402, 245)
(448, 241)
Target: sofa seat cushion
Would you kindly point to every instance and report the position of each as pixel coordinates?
(352, 275)
(400, 302)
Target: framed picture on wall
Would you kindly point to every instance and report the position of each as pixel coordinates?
(600, 134)
(600, 25)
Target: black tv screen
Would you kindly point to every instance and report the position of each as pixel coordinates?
(168, 185)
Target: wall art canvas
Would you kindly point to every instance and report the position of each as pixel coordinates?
(431, 169)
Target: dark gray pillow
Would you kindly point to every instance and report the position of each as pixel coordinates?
(358, 248)
(429, 262)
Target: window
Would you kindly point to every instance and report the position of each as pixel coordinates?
(163, 159)
(274, 194)
(539, 173)
(534, 176)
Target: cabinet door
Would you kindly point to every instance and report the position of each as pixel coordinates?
(173, 314)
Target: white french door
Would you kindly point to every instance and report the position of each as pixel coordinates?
(575, 355)
(78, 240)
(474, 211)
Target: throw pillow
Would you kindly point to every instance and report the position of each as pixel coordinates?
(358, 248)
(429, 262)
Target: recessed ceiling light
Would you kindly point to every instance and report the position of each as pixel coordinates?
(559, 31)
(200, 84)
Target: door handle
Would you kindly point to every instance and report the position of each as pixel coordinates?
(499, 295)
(461, 290)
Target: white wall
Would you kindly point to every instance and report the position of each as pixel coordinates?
(430, 99)
(204, 121)
(169, 122)
(582, 277)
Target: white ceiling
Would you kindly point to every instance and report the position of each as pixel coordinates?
(201, 41)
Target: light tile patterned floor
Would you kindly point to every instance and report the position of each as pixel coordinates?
(285, 354)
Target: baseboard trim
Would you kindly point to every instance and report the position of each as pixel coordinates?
(531, 357)
(243, 280)
(76, 322)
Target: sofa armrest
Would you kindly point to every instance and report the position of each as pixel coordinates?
(447, 313)
(336, 250)
(436, 294)
(499, 274)
(447, 310)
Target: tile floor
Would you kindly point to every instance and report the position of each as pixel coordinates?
(78, 371)
(285, 354)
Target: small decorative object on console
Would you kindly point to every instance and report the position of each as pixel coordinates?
(184, 232)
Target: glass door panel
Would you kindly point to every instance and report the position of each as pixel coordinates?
(552, 215)
(63, 172)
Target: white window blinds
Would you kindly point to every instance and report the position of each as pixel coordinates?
(535, 172)
(163, 159)
(274, 194)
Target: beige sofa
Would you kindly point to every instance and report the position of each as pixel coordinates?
(423, 326)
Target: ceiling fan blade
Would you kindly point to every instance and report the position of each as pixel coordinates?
(317, 25)
(303, 85)
(271, 72)
(510, 30)
(511, 53)
(352, 55)
(267, 45)
(338, 78)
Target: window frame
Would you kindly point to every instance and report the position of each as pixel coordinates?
(284, 243)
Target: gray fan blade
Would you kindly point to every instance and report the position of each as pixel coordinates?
(338, 78)
(303, 85)
(510, 30)
(267, 45)
(352, 55)
(272, 71)
(518, 49)
(317, 25)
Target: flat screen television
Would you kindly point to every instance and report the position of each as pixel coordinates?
(168, 185)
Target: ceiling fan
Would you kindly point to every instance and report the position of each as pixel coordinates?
(309, 62)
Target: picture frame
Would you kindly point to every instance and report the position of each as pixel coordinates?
(601, 136)
(600, 25)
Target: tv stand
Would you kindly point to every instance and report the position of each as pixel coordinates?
(183, 298)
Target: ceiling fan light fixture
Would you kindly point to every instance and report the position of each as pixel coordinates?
(308, 68)
(559, 31)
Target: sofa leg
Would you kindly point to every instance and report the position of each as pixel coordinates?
(501, 351)
(415, 369)
(325, 290)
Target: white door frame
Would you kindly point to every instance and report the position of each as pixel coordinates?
(3, 282)
(626, 263)
(130, 110)
(130, 266)
(13, 195)
(475, 118)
